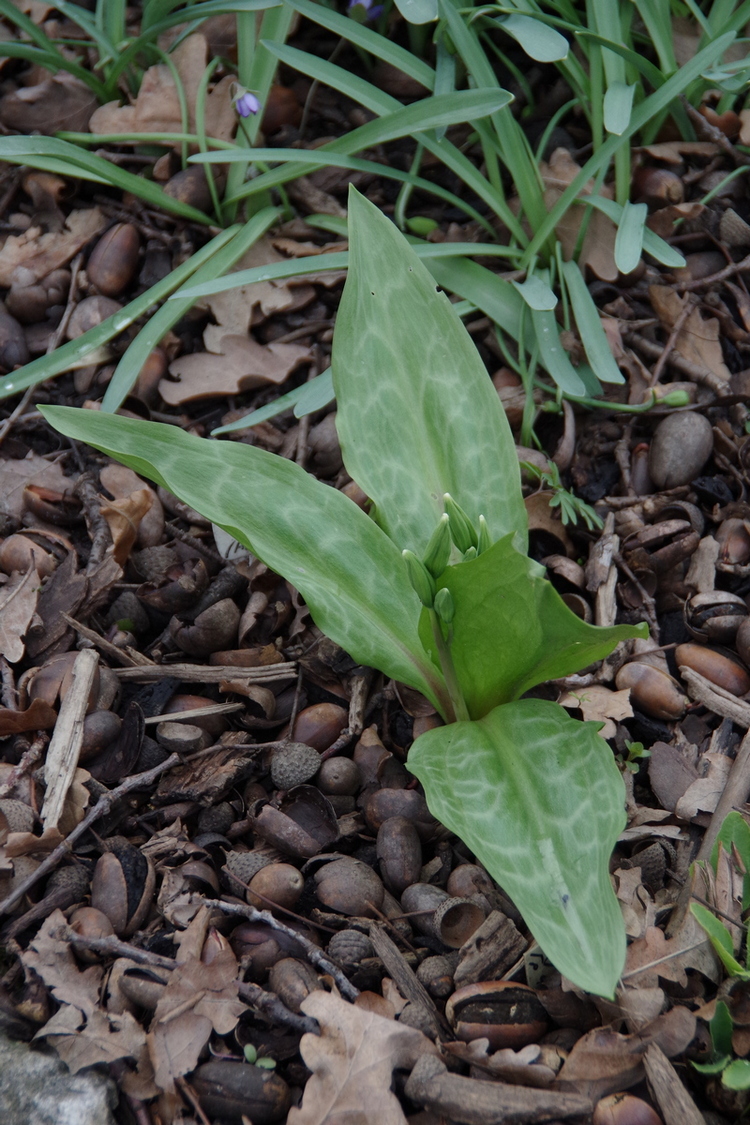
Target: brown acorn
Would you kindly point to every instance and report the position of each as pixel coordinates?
(715, 666)
(319, 725)
(624, 1109)
(652, 691)
(114, 259)
(123, 886)
(276, 884)
(293, 980)
(508, 1014)
(349, 887)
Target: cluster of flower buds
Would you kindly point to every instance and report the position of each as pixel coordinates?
(454, 528)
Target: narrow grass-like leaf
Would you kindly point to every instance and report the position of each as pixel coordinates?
(652, 243)
(129, 367)
(539, 800)
(503, 593)
(538, 39)
(306, 399)
(35, 150)
(618, 105)
(71, 354)
(412, 396)
(536, 293)
(593, 336)
(721, 1027)
(553, 354)
(629, 240)
(350, 574)
(642, 114)
(734, 833)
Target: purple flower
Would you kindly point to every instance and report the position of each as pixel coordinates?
(364, 11)
(246, 104)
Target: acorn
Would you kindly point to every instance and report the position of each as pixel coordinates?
(293, 763)
(717, 667)
(123, 886)
(657, 186)
(349, 887)
(715, 616)
(19, 552)
(349, 947)
(436, 974)
(339, 777)
(100, 730)
(652, 691)
(114, 259)
(624, 1109)
(399, 853)
(293, 980)
(276, 884)
(319, 725)
(215, 628)
(90, 923)
(89, 313)
(231, 1090)
(508, 1014)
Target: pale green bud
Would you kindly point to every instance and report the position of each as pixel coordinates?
(674, 398)
(485, 541)
(462, 531)
(444, 607)
(470, 554)
(439, 548)
(420, 578)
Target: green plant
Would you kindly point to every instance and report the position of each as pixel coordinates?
(636, 755)
(735, 1073)
(572, 508)
(462, 615)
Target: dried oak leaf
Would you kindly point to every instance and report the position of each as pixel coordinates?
(703, 794)
(38, 254)
(352, 1063)
(157, 106)
(52, 959)
(198, 999)
(37, 716)
(603, 1061)
(124, 518)
(602, 705)
(698, 339)
(16, 475)
(235, 309)
(59, 102)
(18, 598)
(241, 363)
(688, 949)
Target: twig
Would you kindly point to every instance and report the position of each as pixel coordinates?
(100, 809)
(8, 693)
(70, 305)
(694, 371)
(66, 742)
(99, 533)
(191, 1098)
(113, 947)
(314, 954)
(271, 1006)
(736, 791)
(712, 133)
(206, 673)
(16, 413)
(716, 698)
(129, 657)
(677, 327)
(29, 759)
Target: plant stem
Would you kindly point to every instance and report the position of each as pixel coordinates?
(449, 671)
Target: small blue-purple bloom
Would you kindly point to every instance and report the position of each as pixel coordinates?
(246, 104)
(364, 11)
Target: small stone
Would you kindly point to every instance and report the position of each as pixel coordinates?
(18, 814)
(680, 448)
(38, 1089)
(185, 738)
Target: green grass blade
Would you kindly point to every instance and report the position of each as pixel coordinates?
(129, 367)
(629, 240)
(643, 113)
(553, 354)
(53, 62)
(70, 354)
(35, 150)
(652, 243)
(593, 336)
(306, 399)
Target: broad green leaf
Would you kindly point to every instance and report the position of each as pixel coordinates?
(720, 939)
(512, 630)
(536, 293)
(593, 336)
(737, 1075)
(553, 354)
(538, 39)
(349, 573)
(417, 413)
(618, 105)
(538, 798)
(418, 11)
(629, 240)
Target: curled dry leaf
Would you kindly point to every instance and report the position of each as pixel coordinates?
(15, 476)
(704, 793)
(157, 107)
(352, 1062)
(123, 519)
(698, 339)
(598, 250)
(675, 955)
(59, 102)
(602, 705)
(38, 254)
(18, 598)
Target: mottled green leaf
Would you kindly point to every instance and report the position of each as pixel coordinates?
(538, 798)
(512, 630)
(417, 413)
(351, 575)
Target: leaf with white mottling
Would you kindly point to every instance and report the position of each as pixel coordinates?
(356, 585)
(538, 798)
(417, 413)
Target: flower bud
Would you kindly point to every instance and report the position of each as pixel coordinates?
(675, 398)
(462, 531)
(485, 542)
(439, 548)
(420, 578)
(470, 554)
(444, 605)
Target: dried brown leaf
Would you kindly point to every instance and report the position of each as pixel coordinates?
(157, 106)
(352, 1062)
(37, 716)
(124, 518)
(18, 598)
(38, 254)
(59, 102)
(698, 340)
(241, 364)
(703, 794)
(602, 705)
(598, 250)
(15, 476)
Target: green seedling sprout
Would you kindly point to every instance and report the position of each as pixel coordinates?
(535, 794)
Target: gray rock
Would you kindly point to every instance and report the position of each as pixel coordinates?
(36, 1088)
(681, 445)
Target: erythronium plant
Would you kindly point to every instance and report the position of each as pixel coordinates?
(434, 589)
